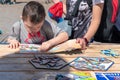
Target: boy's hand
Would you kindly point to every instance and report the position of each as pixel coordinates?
(45, 46)
(14, 44)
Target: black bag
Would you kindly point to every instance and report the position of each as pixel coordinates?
(107, 31)
(117, 23)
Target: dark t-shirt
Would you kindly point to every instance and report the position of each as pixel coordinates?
(82, 20)
(107, 31)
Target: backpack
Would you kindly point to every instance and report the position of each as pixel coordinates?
(108, 30)
(55, 12)
(117, 23)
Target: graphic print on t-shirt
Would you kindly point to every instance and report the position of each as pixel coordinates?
(81, 21)
(36, 38)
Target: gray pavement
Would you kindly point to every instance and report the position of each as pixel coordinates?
(11, 13)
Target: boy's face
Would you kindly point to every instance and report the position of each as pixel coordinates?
(33, 28)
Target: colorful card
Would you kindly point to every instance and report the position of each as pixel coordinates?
(107, 76)
(48, 62)
(75, 76)
(91, 63)
(110, 52)
(29, 48)
(34, 48)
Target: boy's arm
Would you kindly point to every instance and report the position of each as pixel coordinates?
(96, 17)
(60, 38)
(14, 36)
(14, 33)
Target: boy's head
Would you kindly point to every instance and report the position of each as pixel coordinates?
(33, 16)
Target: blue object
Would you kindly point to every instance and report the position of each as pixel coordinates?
(57, 19)
(107, 76)
(64, 25)
(117, 23)
(110, 52)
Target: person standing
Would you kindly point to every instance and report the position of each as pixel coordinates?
(86, 21)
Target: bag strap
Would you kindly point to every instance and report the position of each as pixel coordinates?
(47, 29)
(20, 29)
(118, 8)
(115, 10)
(117, 18)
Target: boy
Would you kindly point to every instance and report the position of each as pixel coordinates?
(34, 29)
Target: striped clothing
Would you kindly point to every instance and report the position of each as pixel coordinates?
(48, 31)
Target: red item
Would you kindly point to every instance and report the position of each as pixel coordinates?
(37, 34)
(56, 10)
(115, 10)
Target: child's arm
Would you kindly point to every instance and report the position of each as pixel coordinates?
(62, 37)
(14, 36)
(13, 43)
(58, 36)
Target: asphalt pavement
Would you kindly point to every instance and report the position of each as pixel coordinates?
(9, 14)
